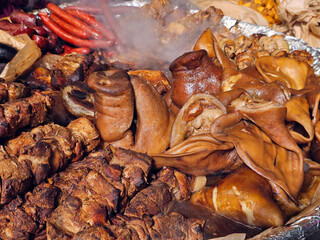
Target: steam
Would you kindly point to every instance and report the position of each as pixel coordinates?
(150, 37)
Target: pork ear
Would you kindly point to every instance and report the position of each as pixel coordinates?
(277, 164)
(298, 117)
(244, 196)
(199, 155)
(205, 42)
(291, 72)
(114, 103)
(154, 121)
(195, 117)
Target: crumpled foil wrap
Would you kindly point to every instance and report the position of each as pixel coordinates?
(306, 223)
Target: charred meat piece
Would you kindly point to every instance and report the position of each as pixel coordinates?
(24, 219)
(50, 149)
(39, 78)
(175, 226)
(10, 91)
(31, 111)
(15, 178)
(58, 148)
(152, 200)
(15, 145)
(95, 189)
(70, 68)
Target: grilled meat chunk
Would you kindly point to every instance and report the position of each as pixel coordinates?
(149, 201)
(175, 226)
(44, 152)
(10, 91)
(70, 68)
(97, 188)
(31, 111)
(24, 219)
(15, 178)
(152, 200)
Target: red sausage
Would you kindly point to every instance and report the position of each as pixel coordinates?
(69, 28)
(82, 50)
(73, 20)
(19, 16)
(72, 39)
(15, 28)
(40, 41)
(93, 22)
(39, 30)
(87, 9)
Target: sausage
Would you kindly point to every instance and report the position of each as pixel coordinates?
(40, 41)
(98, 10)
(15, 28)
(87, 9)
(19, 16)
(73, 20)
(93, 22)
(69, 28)
(82, 50)
(39, 30)
(51, 36)
(72, 39)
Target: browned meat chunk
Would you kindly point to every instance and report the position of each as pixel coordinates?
(149, 201)
(152, 200)
(51, 148)
(15, 179)
(31, 111)
(175, 226)
(10, 91)
(25, 219)
(70, 68)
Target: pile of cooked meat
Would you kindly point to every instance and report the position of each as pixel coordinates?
(98, 146)
(107, 195)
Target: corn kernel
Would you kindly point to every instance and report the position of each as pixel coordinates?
(248, 4)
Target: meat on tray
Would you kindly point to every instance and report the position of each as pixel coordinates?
(90, 197)
(38, 158)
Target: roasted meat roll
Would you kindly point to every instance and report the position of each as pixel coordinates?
(114, 103)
